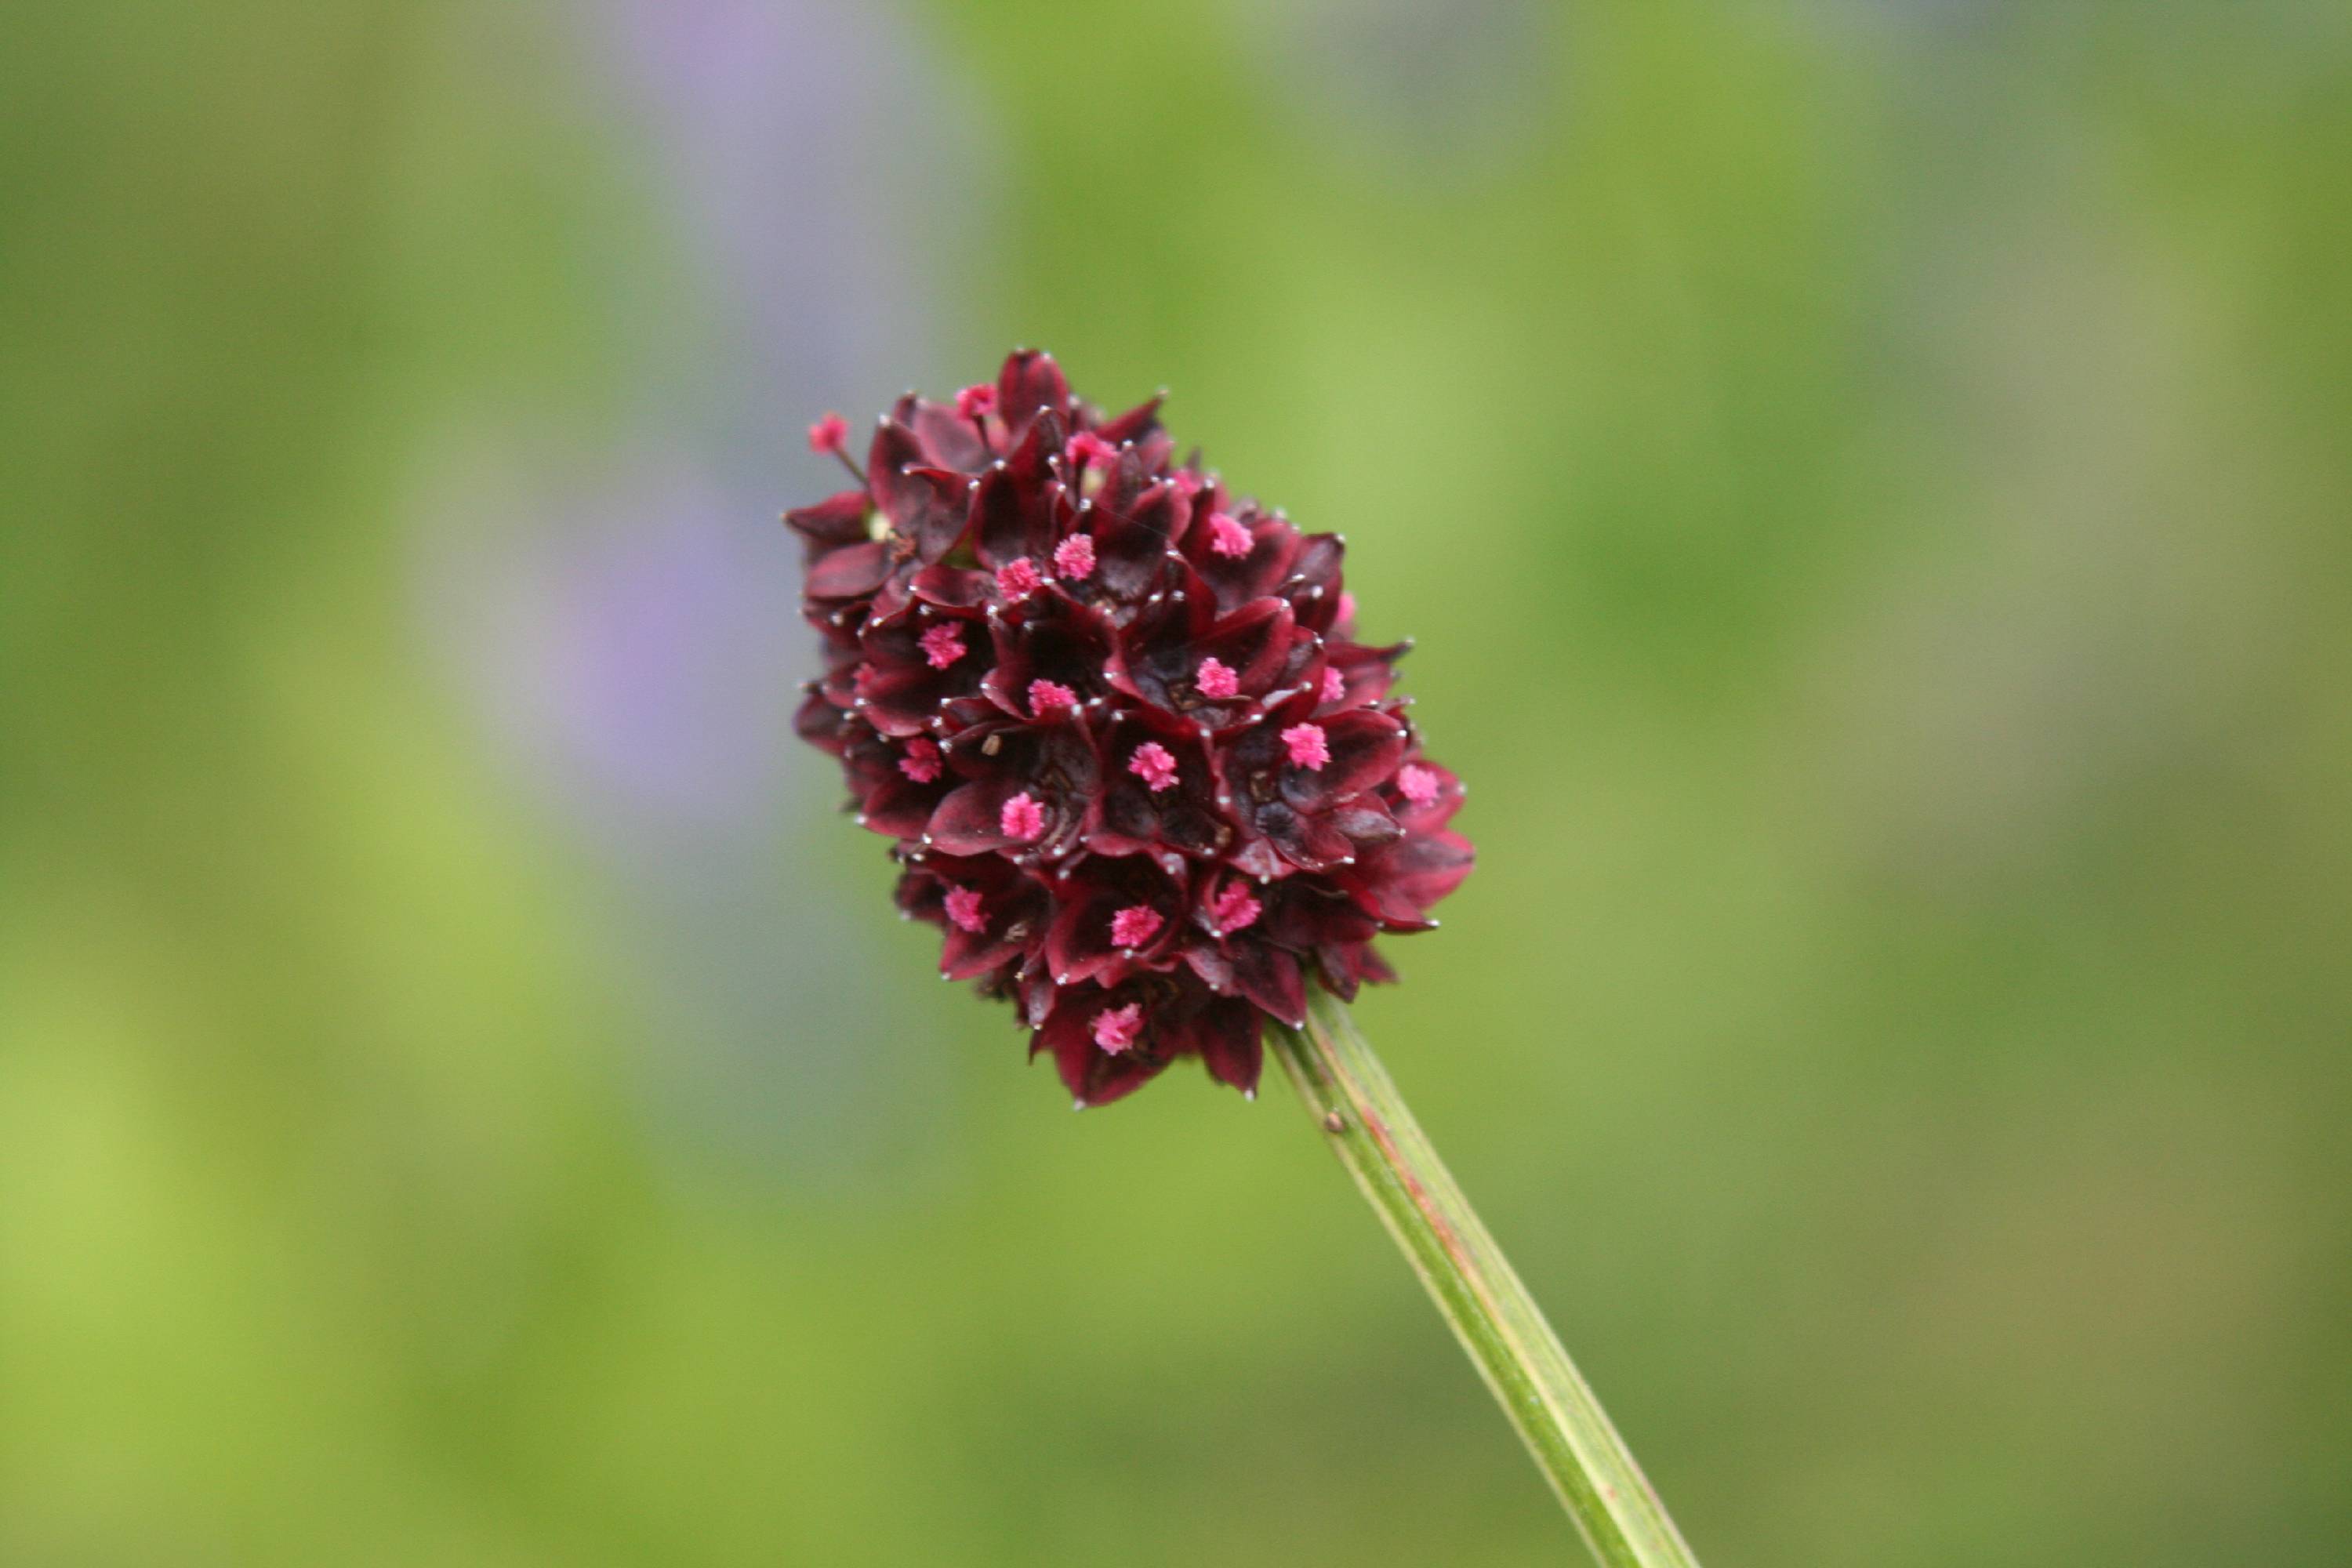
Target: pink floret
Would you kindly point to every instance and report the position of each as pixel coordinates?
(964, 908)
(1116, 1028)
(941, 646)
(921, 763)
(1419, 784)
(1215, 680)
(1154, 763)
(1308, 747)
(1087, 449)
(1022, 819)
(1234, 909)
(1227, 537)
(1045, 695)
(1018, 578)
(1074, 557)
(1134, 925)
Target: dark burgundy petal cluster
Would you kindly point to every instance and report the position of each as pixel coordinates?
(1133, 763)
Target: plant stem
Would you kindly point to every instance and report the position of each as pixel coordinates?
(1369, 1127)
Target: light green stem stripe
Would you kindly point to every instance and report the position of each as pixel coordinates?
(1369, 1127)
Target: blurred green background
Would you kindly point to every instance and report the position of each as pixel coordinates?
(1871, 481)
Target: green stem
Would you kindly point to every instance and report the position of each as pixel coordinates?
(1369, 1127)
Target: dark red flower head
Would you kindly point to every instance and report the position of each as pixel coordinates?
(1134, 763)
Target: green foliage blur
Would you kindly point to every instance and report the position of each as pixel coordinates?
(1872, 483)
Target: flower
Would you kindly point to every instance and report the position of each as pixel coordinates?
(1074, 557)
(829, 436)
(1227, 537)
(967, 910)
(1307, 746)
(1088, 450)
(1116, 1028)
(941, 646)
(1045, 695)
(1147, 795)
(1233, 910)
(921, 763)
(1133, 926)
(1017, 579)
(1155, 765)
(1021, 819)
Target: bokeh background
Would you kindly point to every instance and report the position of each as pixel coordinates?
(1872, 480)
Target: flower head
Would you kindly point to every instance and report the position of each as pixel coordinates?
(1146, 796)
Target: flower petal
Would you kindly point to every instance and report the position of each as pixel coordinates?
(849, 572)
(1365, 749)
(1225, 1034)
(1029, 384)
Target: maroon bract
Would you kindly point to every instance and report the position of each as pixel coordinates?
(1135, 765)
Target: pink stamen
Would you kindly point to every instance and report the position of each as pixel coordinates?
(964, 908)
(942, 646)
(1022, 819)
(1234, 909)
(1307, 746)
(829, 436)
(1215, 680)
(921, 763)
(1018, 578)
(1347, 608)
(1420, 785)
(1087, 449)
(1116, 1028)
(1133, 926)
(1188, 483)
(1045, 695)
(1227, 537)
(1074, 557)
(1154, 763)
(1335, 685)
(975, 401)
